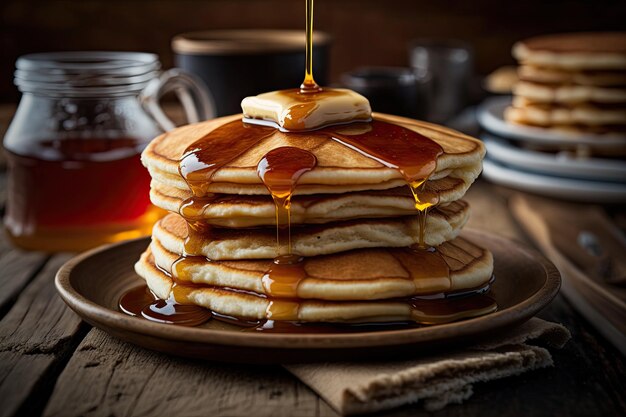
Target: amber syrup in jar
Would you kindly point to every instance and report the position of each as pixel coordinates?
(95, 191)
(75, 178)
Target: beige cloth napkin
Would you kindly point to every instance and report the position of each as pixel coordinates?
(354, 388)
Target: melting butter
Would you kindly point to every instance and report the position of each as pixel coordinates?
(297, 110)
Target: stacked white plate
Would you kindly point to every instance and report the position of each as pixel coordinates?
(513, 161)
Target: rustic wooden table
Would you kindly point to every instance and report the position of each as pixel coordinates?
(53, 364)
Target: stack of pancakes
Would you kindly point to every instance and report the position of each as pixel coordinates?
(352, 218)
(571, 82)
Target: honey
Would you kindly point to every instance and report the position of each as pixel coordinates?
(309, 85)
(413, 155)
(140, 302)
(280, 171)
(76, 193)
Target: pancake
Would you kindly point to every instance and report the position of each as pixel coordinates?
(252, 306)
(362, 274)
(339, 169)
(596, 78)
(547, 93)
(538, 114)
(574, 132)
(501, 80)
(443, 224)
(574, 51)
(259, 210)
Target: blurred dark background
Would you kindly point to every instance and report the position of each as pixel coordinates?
(366, 32)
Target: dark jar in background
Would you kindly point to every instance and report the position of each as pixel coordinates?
(392, 90)
(75, 179)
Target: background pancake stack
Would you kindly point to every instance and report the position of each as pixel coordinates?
(563, 132)
(352, 218)
(571, 82)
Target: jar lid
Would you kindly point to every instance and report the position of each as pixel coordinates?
(245, 42)
(86, 73)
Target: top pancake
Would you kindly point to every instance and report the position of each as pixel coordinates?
(574, 51)
(339, 169)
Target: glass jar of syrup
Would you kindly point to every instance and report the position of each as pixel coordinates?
(75, 178)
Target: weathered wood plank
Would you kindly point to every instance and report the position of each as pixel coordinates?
(21, 377)
(3, 189)
(582, 383)
(109, 377)
(598, 369)
(18, 269)
(36, 337)
(40, 321)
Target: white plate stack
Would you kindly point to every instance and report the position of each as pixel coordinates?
(581, 167)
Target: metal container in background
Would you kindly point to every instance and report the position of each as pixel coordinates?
(393, 90)
(450, 63)
(238, 63)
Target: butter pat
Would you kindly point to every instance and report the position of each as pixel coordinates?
(292, 110)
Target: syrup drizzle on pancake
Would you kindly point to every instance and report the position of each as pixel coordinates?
(201, 161)
(280, 169)
(413, 155)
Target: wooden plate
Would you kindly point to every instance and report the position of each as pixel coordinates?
(92, 283)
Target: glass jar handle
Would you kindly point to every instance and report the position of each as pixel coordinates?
(190, 90)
